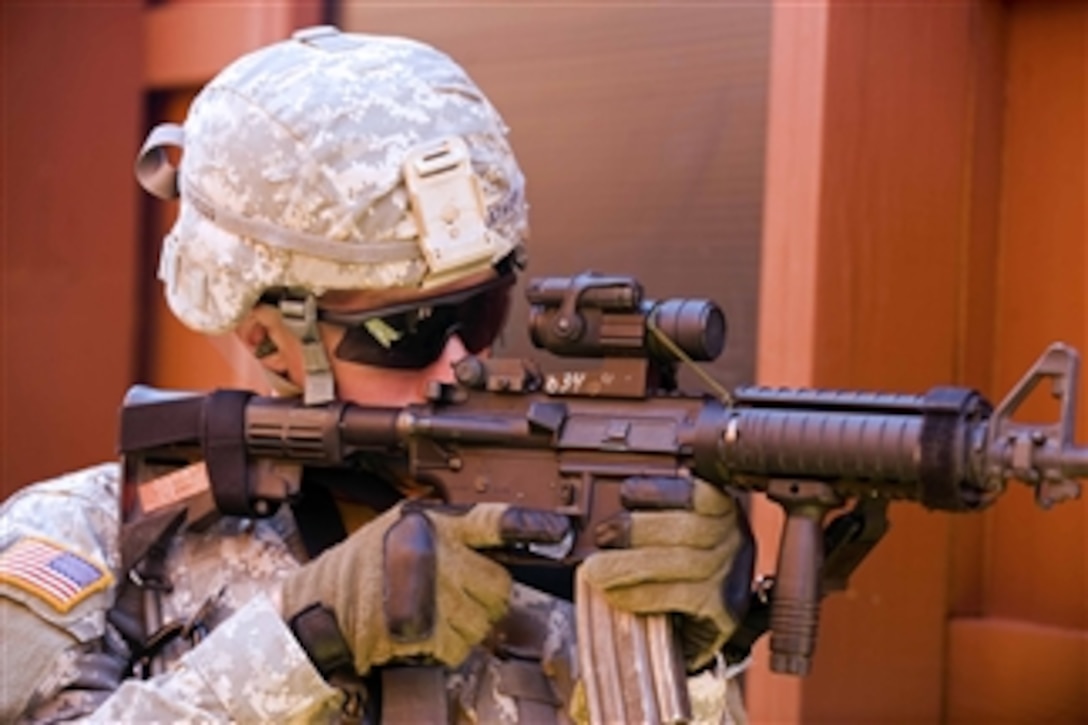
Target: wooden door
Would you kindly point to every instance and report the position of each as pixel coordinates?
(925, 223)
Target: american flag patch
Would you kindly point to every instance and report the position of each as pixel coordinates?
(49, 571)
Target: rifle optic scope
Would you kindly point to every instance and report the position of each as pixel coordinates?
(596, 316)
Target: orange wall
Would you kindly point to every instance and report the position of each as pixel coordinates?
(1031, 568)
(1042, 269)
(69, 125)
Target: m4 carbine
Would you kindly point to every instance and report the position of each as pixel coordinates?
(577, 441)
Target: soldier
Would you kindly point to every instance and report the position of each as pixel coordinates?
(352, 213)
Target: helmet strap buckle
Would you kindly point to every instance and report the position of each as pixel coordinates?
(299, 312)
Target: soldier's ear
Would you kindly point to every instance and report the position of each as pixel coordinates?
(256, 334)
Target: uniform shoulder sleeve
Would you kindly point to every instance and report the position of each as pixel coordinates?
(59, 559)
(59, 549)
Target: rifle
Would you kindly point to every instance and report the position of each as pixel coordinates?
(569, 440)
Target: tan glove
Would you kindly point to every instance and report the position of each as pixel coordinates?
(697, 562)
(409, 584)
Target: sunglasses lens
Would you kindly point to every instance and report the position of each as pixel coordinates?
(482, 318)
(393, 343)
(412, 341)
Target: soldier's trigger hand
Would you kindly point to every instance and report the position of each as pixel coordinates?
(410, 585)
(695, 559)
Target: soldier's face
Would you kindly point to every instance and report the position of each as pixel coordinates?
(370, 385)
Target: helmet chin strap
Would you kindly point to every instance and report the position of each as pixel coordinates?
(281, 386)
(299, 311)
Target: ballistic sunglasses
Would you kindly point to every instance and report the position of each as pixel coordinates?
(412, 335)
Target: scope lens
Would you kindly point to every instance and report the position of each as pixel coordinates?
(696, 326)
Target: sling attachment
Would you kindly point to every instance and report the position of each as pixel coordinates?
(144, 550)
(849, 538)
(756, 622)
(224, 448)
(145, 544)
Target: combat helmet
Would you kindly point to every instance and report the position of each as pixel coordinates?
(335, 161)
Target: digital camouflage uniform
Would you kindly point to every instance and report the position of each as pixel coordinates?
(242, 663)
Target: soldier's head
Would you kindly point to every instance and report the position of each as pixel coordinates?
(350, 207)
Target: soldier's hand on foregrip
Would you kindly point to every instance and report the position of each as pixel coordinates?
(683, 546)
(411, 585)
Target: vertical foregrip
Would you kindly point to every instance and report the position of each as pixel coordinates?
(795, 610)
(795, 613)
